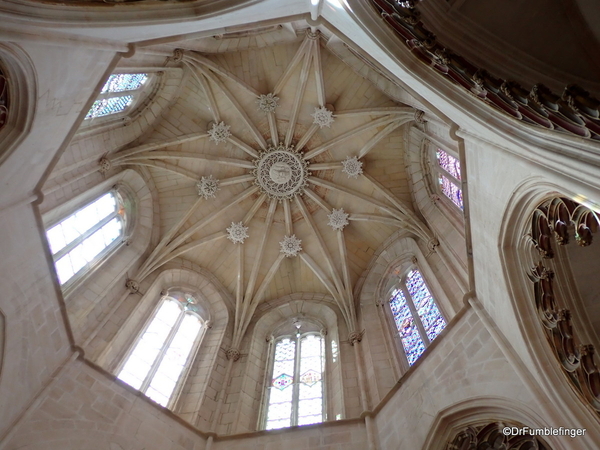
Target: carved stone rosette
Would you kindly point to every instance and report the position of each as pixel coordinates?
(553, 222)
(232, 354)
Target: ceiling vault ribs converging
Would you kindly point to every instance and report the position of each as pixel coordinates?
(293, 186)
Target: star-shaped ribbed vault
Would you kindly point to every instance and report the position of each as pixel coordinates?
(280, 170)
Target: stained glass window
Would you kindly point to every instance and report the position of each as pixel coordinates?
(295, 394)
(449, 177)
(416, 315)
(80, 239)
(117, 94)
(161, 354)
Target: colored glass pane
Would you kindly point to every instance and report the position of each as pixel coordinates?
(451, 191)
(428, 312)
(407, 328)
(120, 82)
(296, 392)
(449, 163)
(160, 356)
(106, 106)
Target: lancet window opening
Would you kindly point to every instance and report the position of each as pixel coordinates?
(447, 177)
(80, 240)
(416, 315)
(118, 94)
(295, 394)
(161, 356)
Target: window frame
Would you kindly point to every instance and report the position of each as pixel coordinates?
(438, 170)
(400, 284)
(124, 200)
(296, 384)
(139, 96)
(205, 324)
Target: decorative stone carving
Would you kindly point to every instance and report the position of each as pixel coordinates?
(551, 222)
(237, 233)
(574, 112)
(207, 187)
(232, 354)
(420, 117)
(338, 219)
(267, 103)
(3, 99)
(105, 165)
(177, 55)
(352, 167)
(355, 336)
(219, 132)
(290, 246)
(492, 436)
(281, 172)
(323, 117)
(132, 285)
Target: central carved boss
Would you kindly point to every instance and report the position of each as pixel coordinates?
(281, 172)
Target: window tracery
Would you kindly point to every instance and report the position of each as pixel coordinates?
(117, 94)
(416, 314)
(3, 99)
(84, 237)
(295, 392)
(556, 220)
(448, 177)
(156, 365)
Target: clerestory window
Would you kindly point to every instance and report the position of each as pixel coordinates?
(416, 314)
(119, 93)
(157, 363)
(295, 391)
(86, 236)
(447, 172)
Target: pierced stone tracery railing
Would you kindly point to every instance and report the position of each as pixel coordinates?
(3, 100)
(575, 112)
(491, 436)
(555, 220)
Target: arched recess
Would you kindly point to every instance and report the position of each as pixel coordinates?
(202, 372)
(87, 298)
(520, 260)
(20, 95)
(316, 308)
(399, 250)
(485, 410)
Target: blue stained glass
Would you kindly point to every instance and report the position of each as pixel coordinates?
(120, 82)
(449, 163)
(407, 328)
(451, 191)
(428, 312)
(108, 106)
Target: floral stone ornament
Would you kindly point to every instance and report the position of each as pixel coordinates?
(352, 167)
(290, 246)
(267, 103)
(219, 132)
(207, 187)
(237, 233)
(281, 172)
(338, 219)
(322, 117)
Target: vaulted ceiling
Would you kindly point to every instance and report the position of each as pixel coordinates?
(277, 167)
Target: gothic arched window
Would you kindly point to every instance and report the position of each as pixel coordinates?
(90, 233)
(157, 362)
(119, 93)
(416, 314)
(447, 173)
(295, 392)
